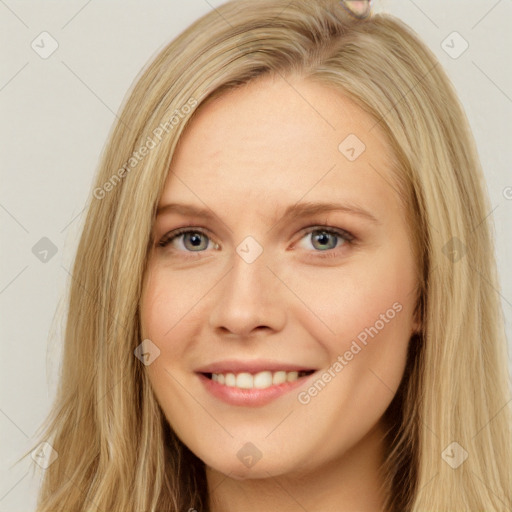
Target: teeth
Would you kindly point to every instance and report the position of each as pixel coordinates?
(279, 378)
(230, 380)
(291, 376)
(244, 381)
(260, 380)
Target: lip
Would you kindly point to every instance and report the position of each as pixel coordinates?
(255, 366)
(250, 397)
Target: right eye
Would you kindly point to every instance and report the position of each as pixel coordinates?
(189, 243)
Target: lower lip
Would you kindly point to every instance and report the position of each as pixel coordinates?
(250, 397)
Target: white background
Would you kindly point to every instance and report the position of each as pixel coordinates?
(55, 117)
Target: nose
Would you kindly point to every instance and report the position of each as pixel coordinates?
(250, 298)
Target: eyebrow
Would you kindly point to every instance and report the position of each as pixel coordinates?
(297, 210)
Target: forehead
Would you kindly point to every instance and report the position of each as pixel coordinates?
(275, 141)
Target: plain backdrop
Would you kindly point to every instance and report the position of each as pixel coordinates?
(56, 113)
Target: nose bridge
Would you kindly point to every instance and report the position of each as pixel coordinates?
(249, 296)
(249, 281)
(250, 273)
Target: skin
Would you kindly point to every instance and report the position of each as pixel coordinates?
(247, 156)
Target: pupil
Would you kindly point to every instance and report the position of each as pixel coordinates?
(323, 238)
(195, 238)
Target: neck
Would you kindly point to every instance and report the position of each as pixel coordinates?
(348, 483)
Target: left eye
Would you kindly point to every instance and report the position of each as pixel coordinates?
(192, 239)
(324, 236)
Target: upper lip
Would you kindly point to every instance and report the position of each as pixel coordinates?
(255, 366)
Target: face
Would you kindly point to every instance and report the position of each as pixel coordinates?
(282, 331)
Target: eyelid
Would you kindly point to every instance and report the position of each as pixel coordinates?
(305, 231)
(330, 229)
(175, 233)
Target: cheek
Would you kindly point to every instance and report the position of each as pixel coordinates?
(171, 317)
(168, 304)
(165, 312)
(363, 312)
(371, 316)
(164, 321)
(341, 303)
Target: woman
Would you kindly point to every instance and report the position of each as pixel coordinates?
(261, 373)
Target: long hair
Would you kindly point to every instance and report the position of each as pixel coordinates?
(116, 451)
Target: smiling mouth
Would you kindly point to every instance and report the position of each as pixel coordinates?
(260, 380)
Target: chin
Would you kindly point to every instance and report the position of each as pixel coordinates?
(261, 470)
(239, 469)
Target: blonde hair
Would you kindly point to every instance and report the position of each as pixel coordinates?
(115, 449)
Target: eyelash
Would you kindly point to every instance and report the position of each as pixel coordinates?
(347, 237)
